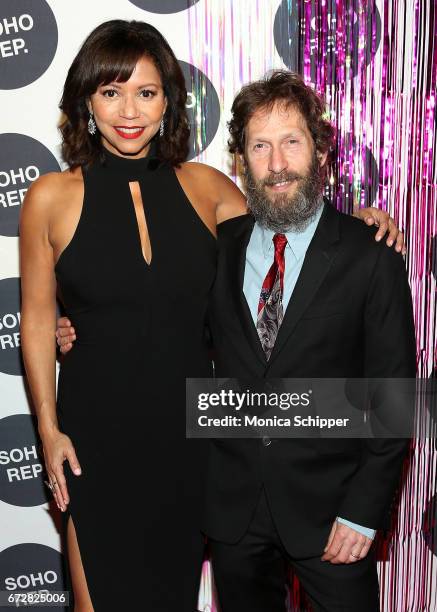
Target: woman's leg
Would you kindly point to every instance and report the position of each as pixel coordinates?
(82, 599)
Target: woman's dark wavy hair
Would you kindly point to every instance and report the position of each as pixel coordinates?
(284, 87)
(110, 53)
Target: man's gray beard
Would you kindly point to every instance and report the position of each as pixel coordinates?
(286, 213)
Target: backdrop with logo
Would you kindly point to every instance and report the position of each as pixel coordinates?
(376, 63)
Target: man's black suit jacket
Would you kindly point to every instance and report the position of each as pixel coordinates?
(350, 315)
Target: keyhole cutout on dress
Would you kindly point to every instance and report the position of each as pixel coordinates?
(137, 200)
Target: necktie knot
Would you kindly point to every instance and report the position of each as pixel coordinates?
(280, 242)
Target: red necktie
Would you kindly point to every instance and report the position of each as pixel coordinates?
(270, 311)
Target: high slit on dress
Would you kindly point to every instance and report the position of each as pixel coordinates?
(121, 389)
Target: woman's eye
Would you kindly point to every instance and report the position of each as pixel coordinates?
(147, 93)
(109, 93)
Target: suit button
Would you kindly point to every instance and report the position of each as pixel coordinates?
(266, 441)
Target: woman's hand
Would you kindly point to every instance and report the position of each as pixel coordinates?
(57, 447)
(381, 218)
(65, 335)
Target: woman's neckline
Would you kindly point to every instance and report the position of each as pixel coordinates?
(130, 168)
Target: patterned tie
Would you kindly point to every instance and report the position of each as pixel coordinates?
(270, 311)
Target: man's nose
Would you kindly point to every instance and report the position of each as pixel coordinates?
(277, 161)
(129, 107)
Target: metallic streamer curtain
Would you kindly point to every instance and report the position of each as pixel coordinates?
(376, 64)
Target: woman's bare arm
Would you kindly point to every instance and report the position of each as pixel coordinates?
(38, 324)
(38, 310)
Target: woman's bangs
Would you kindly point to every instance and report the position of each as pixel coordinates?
(116, 64)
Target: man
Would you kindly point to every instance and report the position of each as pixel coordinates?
(301, 291)
(271, 502)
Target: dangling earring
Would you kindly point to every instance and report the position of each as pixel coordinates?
(161, 128)
(92, 128)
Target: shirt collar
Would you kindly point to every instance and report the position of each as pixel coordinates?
(298, 242)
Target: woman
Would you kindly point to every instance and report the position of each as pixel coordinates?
(127, 234)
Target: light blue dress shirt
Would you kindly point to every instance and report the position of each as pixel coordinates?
(259, 258)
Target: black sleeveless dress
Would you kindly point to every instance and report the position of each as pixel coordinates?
(121, 390)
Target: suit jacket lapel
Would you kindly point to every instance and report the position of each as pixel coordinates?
(238, 256)
(318, 260)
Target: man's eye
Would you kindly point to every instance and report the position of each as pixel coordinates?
(292, 141)
(259, 145)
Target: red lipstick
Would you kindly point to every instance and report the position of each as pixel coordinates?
(129, 132)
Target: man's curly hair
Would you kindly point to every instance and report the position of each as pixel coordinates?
(289, 89)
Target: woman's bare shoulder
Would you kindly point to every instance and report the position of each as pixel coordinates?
(201, 171)
(54, 188)
(55, 183)
(226, 196)
(215, 181)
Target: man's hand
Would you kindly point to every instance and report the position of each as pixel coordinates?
(65, 335)
(381, 218)
(345, 545)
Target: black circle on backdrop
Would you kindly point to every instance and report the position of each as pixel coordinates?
(28, 41)
(203, 108)
(164, 7)
(10, 316)
(22, 160)
(32, 567)
(286, 36)
(285, 33)
(22, 469)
